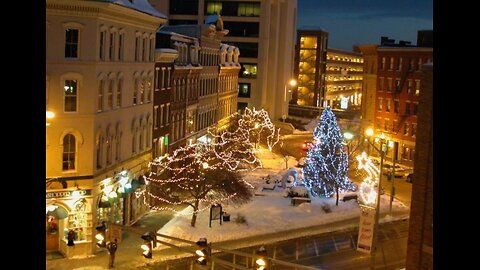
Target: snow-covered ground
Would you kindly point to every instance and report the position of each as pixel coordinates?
(269, 211)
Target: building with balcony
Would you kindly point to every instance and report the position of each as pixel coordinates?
(343, 80)
(263, 31)
(99, 84)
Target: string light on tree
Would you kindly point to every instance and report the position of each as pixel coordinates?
(326, 165)
(368, 188)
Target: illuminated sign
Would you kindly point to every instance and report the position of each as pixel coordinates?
(68, 193)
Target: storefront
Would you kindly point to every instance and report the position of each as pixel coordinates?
(69, 214)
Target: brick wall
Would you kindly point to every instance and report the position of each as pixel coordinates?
(420, 237)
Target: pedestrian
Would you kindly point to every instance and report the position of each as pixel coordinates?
(71, 237)
(112, 248)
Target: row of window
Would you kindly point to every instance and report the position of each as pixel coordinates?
(227, 83)
(343, 78)
(389, 86)
(396, 63)
(407, 129)
(162, 78)
(344, 58)
(409, 108)
(111, 45)
(338, 68)
(240, 9)
(160, 115)
(225, 107)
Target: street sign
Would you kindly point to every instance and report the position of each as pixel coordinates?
(366, 229)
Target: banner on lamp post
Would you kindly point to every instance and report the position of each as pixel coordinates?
(366, 229)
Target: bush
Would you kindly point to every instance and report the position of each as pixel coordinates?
(241, 219)
(297, 192)
(326, 208)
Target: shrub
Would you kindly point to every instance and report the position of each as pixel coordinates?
(241, 219)
(297, 192)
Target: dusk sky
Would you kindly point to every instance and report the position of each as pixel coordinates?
(351, 22)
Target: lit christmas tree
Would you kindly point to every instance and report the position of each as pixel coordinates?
(326, 165)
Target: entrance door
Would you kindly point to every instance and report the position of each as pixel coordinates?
(52, 232)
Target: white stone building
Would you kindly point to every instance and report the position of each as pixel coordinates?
(99, 84)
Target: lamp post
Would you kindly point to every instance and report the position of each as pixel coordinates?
(369, 134)
(292, 83)
(381, 151)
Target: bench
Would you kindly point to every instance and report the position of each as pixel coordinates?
(350, 197)
(299, 200)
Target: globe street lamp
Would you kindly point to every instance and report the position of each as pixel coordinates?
(292, 83)
(369, 134)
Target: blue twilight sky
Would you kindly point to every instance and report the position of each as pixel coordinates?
(351, 22)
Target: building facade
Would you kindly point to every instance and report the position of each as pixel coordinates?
(204, 80)
(99, 84)
(344, 78)
(369, 83)
(263, 31)
(310, 70)
(398, 89)
(420, 232)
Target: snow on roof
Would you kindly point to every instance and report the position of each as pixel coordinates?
(140, 5)
(166, 50)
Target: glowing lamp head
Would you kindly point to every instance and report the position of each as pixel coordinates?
(205, 165)
(369, 132)
(261, 262)
(292, 82)
(348, 135)
(99, 237)
(200, 252)
(145, 248)
(50, 114)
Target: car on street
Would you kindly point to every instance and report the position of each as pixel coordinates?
(306, 145)
(399, 170)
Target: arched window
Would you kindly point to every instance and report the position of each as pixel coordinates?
(99, 148)
(69, 151)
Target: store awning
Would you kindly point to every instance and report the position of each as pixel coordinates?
(59, 212)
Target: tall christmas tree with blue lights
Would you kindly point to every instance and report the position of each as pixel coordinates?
(326, 165)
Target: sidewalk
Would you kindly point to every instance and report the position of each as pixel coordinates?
(128, 255)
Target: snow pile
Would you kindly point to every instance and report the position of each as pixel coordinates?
(310, 126)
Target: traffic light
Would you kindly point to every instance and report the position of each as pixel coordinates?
(261, 262)
(150, 241)
(202, 251)
(100, 236)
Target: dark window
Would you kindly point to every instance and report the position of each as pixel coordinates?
(407, 108)
(248, 71)
(229, 9)
(247, 49)
(186, 7)
(242, 29)
(415, 108)
(244, 90)
(71, 43)
(241, 107)
(68, 158)
(178, 22)
(395, 106)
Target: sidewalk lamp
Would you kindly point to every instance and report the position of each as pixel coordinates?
(203, 251)
(348, 136)
(261, 261)
(381, 151)
(100, 236)
(292, 83)
(147, 246)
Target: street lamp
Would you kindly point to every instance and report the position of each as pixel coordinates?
(348, 136)
(369, 134)
(49, 115)
(381, 151)
(292, 83)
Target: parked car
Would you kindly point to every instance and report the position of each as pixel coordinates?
(399, 171)
(306, 145)
(410, 178)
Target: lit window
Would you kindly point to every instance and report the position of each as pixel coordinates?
(70, 96)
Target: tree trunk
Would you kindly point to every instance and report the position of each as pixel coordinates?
(194, 216)
(336, 189)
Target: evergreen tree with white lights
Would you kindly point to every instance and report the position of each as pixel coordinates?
(326, 165)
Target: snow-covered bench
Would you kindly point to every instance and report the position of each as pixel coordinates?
(299, 200)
